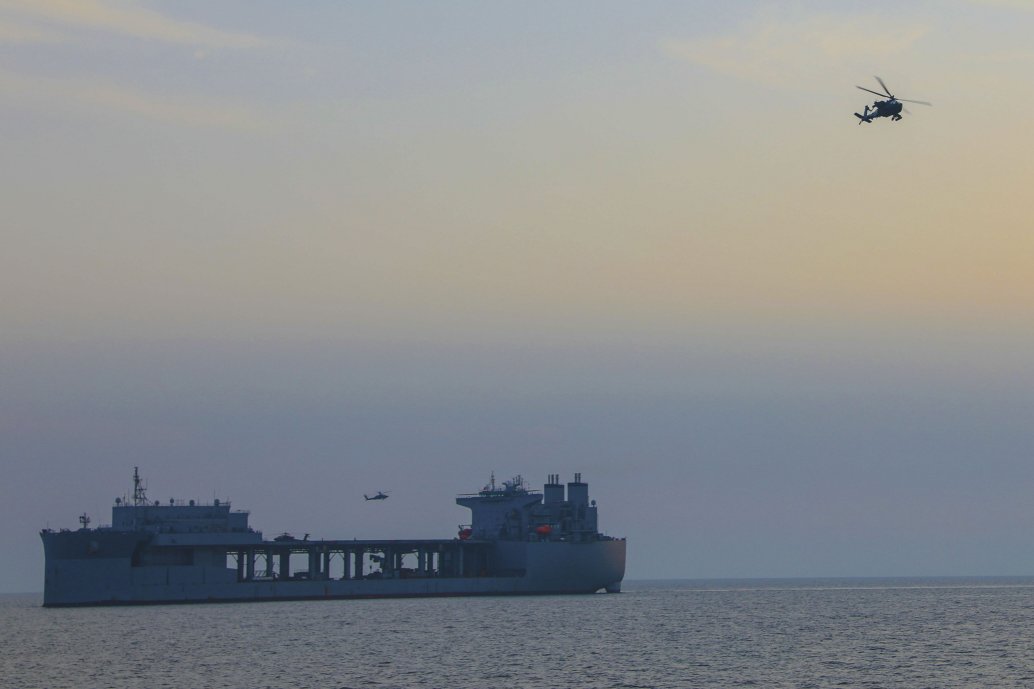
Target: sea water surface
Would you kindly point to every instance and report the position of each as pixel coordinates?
(764, 633)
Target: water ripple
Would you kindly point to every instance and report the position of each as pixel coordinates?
(880, 633)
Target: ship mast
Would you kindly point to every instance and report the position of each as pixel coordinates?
(139, 494)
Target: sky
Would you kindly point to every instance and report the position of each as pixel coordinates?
(287, 254)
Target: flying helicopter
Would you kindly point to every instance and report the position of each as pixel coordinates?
(891, 107)
(381, 495)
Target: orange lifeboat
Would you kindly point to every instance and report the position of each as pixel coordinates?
(544, 530)
(465, 533)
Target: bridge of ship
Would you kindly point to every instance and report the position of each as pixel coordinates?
(293, 560)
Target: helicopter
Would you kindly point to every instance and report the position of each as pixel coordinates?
(891, 107)
(381, 495)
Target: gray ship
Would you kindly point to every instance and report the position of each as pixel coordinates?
(519, 541)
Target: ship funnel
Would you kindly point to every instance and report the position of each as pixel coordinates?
(578, 492)
(553, 492)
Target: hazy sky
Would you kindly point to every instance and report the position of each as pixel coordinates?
(288, 253)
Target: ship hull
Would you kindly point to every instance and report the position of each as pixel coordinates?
(109, 576)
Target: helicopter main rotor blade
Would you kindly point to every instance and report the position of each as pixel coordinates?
(918, 102)
(882, 95)
(884, 86)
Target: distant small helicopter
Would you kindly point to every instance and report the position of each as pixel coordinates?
(381, 495)
(891, 107)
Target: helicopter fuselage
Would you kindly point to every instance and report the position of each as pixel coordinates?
(882, 108)
(888, 108)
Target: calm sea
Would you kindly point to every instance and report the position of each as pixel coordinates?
(765, 633)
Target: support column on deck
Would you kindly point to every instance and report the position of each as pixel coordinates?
(326, 563)
(240, 565)
(421, 561)
(249, 564)
(285, 564)
(314, 563)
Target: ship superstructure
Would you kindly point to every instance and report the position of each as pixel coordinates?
(519, 541)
